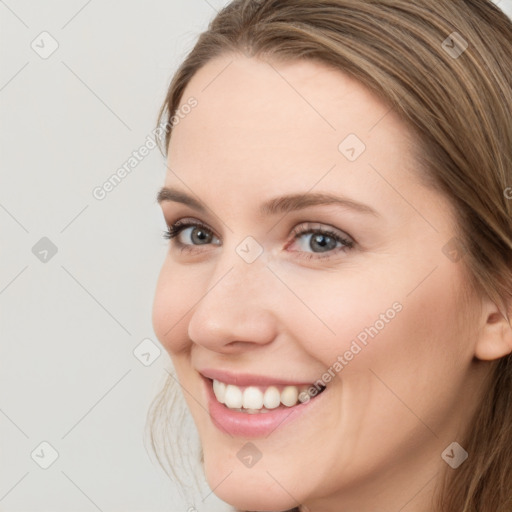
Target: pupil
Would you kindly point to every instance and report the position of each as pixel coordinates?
(322, 243)
(200, 236)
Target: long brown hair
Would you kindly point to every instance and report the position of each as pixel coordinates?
(458, 102)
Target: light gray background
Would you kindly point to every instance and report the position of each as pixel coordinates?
(69, 326)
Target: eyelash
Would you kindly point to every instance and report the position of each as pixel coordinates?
(176, 228)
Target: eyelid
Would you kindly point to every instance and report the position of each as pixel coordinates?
(176, 227)
(298, 229)
(312, 227)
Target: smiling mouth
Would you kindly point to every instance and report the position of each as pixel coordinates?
(261, 399)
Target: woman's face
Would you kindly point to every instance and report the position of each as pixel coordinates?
(310, 252)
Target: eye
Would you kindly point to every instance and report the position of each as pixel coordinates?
(309, 240)
(189, 233)
(315, 239)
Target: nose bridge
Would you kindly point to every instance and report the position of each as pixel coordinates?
(236, 306)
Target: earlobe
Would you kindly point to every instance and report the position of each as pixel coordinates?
(495, 337)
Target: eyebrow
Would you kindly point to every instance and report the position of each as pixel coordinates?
(277, 205)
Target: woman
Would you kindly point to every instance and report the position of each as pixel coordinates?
(337, 291)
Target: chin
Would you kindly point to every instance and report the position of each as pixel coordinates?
(246, 489)
(247, 498)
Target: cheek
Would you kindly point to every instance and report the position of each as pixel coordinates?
(172, 301)
(408, 350)
(381, 320)
(340, 312)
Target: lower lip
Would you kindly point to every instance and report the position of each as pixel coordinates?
(261, 424)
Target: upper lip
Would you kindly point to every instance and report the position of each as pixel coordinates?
(247, 379)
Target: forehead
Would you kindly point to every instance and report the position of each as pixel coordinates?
(268, 125)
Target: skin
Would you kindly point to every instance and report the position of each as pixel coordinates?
(263, 129)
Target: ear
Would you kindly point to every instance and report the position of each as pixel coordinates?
(495, 336)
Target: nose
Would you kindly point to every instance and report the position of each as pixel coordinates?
(236, 312)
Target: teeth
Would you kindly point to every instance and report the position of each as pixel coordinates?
(233, 397)
(253, 400)
(219, 388)
(289, 396)
(271, 398)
